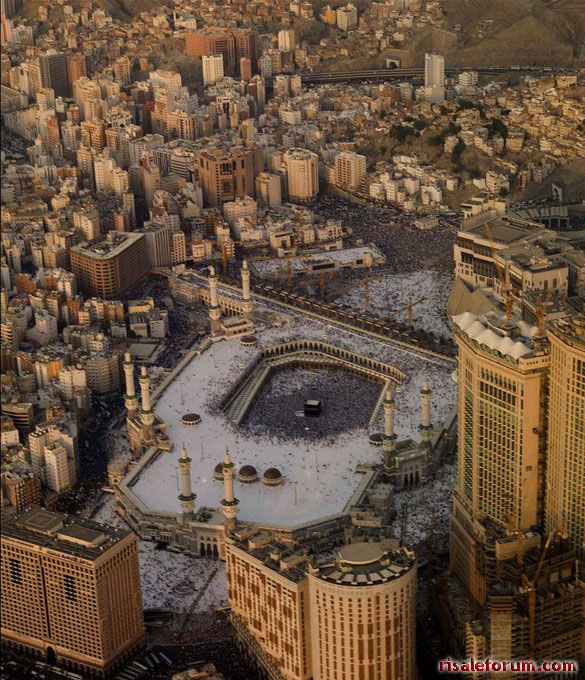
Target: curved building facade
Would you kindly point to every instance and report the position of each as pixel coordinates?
(302, 171)
(363, 614)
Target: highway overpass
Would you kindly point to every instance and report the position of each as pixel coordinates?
(323, 77)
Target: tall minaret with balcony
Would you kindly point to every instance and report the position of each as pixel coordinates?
(389, 443)
(246, 297)
(214, 308)
(186, 497)
(425, 421)
(229, 502)
(130, 399)
(146, 412)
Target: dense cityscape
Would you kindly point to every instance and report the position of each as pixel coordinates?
(292, 339)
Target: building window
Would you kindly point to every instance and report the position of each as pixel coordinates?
(15, 571)
(70, 590)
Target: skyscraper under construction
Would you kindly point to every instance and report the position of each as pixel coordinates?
(517, 527)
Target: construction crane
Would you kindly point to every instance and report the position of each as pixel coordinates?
(354, 284)
(289, 265)
(541, 311)
(320, 280)
(408, 309)
(541, 307)
(530, 587)
(503, 276)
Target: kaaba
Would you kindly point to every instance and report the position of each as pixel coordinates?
(312, 408)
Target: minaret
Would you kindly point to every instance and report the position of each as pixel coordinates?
(425, 421)
(214, 308)
(186, 497)
(130, 400)
(146, 413)
(246, 299)
(389, 443)
(230, 504)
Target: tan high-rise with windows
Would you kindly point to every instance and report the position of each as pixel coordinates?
(225, 174)
(112, 267)
(70, 588)
(352, 618)
(302, 172)
(565, 488)
(502, 437)
(515, 588)
(363, 614)
(76, 67)
(350, 169)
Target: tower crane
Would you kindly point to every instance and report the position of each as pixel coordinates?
(530, 588)
(408, 309)
(289, 267)
(355, 284)
(320, 280)
(503, 275)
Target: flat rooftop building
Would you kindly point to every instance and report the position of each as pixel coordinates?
(70, 588)
(110, 268)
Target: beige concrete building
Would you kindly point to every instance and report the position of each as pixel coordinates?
(70, 588)
(225, 174)
(347, 17)
(122, 68)
(157, 236)
(530, 256)
(363, 614)
(20, 487)
(268, 189)
(302, 172)
(352, 618)
(565, 489)
(287, 39)
(112, 267)
(212, 68)
(501, 448)
(350, 170)
(515, 588)
(245, 207)
(84, 90)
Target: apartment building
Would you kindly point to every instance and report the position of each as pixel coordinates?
(302, 172)
(112, 267)
(350, 170)
(350, 617)
(232, 44)
(212, 68)
(225, 174)
(70, 588)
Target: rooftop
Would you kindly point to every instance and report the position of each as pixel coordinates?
(368, 564)
(55, 531)
(109, 247)
(491, 331)
(505, 230)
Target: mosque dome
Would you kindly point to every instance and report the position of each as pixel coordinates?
(272, 477)
(191, 419)
(247, 474)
